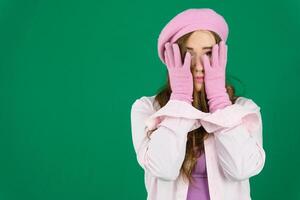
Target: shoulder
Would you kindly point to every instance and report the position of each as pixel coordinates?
(150, 104)
(247, 103)
(145, 102)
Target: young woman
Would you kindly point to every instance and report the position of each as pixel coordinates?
(195, 139)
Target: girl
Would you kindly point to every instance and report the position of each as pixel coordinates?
(195, 139)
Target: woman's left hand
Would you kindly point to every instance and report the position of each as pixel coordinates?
(214, 77)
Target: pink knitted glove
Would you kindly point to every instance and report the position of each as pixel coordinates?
(214, 77)
(180, 75)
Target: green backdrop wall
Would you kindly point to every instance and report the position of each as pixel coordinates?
(70, 71)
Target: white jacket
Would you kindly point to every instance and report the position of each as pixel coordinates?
(234, 149)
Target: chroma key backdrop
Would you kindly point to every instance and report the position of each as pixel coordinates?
(71, 70)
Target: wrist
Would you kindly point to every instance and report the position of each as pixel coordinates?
(182, 97)
(219, 102)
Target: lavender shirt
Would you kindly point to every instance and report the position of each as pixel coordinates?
(199, 190)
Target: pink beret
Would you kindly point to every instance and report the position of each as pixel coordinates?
(191, 20)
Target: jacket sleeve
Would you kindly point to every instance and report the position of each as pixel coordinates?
(238, 139)
(163, 154)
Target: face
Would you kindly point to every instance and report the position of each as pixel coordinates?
(200, 42)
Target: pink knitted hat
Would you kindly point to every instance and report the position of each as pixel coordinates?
(191, 20)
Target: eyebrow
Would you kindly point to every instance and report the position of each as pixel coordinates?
(190, 48)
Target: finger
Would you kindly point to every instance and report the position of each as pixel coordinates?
(206, 62)
(223, 53)
(170, 54)
(166, 58)
(177, 57)
(226, 54)
(215, 55)
(187, 60)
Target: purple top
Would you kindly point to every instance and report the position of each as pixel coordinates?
(199, 190)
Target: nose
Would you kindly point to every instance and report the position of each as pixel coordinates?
(198, 67)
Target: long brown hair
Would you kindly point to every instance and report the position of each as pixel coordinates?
(195, 138)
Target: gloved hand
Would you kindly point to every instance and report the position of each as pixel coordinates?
(214, 77)
(180, 75)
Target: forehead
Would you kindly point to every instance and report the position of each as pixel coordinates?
(200, 38)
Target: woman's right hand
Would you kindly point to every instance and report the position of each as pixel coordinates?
(180, 75)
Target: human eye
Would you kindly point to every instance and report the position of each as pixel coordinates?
(191, 52)
(208, 53)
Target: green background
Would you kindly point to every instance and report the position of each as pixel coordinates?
(70, 71)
